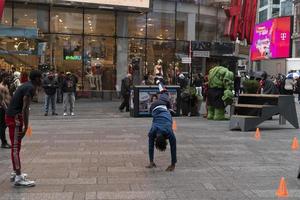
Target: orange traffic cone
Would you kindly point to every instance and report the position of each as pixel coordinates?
(174, 125)
(257, 134)
(29, 131)
(295, 144)
(282, 189)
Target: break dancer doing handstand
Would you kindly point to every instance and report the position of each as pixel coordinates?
(161, 129)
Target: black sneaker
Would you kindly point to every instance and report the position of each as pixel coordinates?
(46, 114)
(5, 146)
(54, 113)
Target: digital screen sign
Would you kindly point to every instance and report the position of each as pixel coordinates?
(129, 3)
(272, 39)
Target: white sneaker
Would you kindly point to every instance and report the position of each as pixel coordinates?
(65, 114)
(72, 113)
(13, 175)
(21, 181)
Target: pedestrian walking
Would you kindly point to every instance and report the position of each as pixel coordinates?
(125, 92)
(69, 90)
(17, 120)
(50, 86)
(161, 129)
(4, 102)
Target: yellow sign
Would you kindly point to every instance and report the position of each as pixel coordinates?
(130, 3)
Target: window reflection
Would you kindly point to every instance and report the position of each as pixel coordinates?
(31, 17)
(207, 23)
(68, 55)
(7, 15)
(186, 21)
(131, 25)
(164, 50)
(66, 20)
(99, 23)
(99, 63)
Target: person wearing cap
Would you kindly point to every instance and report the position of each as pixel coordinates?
(50, 86)
(17, 120)
(161, 129)
(69, 90)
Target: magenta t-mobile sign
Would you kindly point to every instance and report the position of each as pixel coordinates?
(1, 8)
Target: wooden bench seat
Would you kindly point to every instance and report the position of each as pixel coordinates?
(253, 109)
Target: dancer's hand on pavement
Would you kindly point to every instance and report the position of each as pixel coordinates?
(151, 165)
(170, 168)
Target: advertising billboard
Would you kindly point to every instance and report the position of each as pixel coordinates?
(272, 39)
(129, 3)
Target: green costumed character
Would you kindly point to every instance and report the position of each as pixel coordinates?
(219, 95)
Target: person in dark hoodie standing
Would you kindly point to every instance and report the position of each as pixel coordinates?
(125, 92)
(161, 129)
(50, 86)
(69, 90)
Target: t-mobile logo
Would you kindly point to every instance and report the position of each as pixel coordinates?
(283, 36)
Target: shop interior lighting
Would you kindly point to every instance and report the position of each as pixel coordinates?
(60, 20)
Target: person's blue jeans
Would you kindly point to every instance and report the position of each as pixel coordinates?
(48, 99)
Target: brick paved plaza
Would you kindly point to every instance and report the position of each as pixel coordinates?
(101, 154)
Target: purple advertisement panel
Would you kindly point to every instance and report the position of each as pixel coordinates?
(272, 39)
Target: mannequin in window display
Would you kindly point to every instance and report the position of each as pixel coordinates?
(90, 79)
(170, 74)
(97, 72)
(158, 71)
(136, 71)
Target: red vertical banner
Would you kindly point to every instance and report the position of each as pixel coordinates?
(1, 8)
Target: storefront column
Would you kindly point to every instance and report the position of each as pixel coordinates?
(191, 29)
(122, 50)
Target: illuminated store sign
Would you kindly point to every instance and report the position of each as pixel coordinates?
(272, 39)
(129, 3)
(72, 57)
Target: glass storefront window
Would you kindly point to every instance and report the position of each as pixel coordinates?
(222, 19)
(131, 25)
(161, 22)
(263, 15)
(164, 50)
(297, 49)
(99, 67)
(7, 16)
(207, 23)
(186, 21)
(297, 18)
(99, 23)
(20, 52)
(26, 16)
(68, 55)
(65, 20)
(263, 3)
(130, 59)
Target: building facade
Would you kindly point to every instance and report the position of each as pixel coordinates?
(105, 43)
(296, 35)
(268, 9)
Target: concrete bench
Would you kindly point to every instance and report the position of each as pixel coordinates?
(253, 109)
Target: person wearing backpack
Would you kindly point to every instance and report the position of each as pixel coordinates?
(69, 90)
